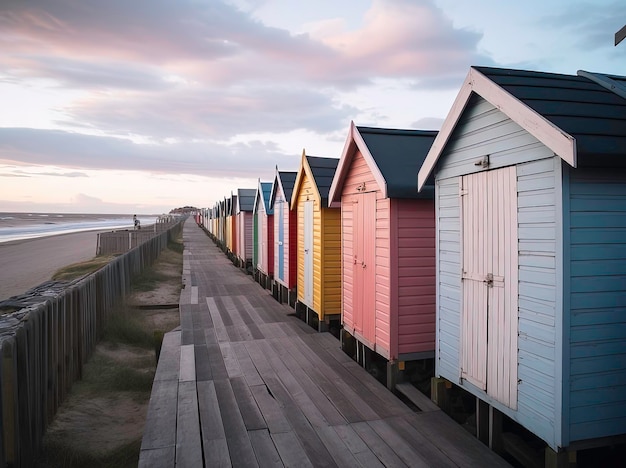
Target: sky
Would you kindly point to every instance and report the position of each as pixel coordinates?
(143, 106)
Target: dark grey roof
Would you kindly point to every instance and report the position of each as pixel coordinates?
(399, 155)
(246, 199)
(288, 180)
(323, 171)
(594, 115)
(233, 205)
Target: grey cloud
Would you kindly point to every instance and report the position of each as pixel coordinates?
(70, 150)
(201, 113)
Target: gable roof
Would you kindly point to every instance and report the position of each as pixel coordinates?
(393, 156)
(321, 171)
(284, 180)
(262, 197)
(245, 199)
(582, 118)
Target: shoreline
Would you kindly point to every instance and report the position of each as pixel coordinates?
(27, 263)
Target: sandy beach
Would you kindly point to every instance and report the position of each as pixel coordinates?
(25, 264)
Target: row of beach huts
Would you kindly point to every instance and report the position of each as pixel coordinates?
(495, 246)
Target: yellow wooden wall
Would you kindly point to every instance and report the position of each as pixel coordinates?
(326, 252)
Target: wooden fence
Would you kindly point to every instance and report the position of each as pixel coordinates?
(44, 346)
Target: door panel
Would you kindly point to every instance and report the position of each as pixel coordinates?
(308, 253)
(489, 282)
(365, 265)
(281, 241)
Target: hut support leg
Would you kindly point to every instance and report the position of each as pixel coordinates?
(482, 421)
(562, 459)
(393, 374)
(439, 392)
(495, 430)
(322, 325)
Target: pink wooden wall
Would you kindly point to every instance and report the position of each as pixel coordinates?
(404, 297)
(266, 232)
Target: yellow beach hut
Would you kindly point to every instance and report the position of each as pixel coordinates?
(319, 244)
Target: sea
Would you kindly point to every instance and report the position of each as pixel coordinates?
(22, 226)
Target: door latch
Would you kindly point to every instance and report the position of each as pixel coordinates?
(489, 280)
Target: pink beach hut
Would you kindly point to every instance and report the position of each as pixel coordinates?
(388, 247)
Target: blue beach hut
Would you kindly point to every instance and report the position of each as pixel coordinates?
(530, 173)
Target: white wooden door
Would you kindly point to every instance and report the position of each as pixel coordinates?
(489, 311)
(308, 253)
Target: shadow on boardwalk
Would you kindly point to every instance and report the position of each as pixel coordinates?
(244, 383)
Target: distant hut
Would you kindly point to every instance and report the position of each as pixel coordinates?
(285, 237)
(245, 206)
(319, 243)
(263, 257)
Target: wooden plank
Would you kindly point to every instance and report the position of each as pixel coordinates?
(357, 447)
(384, 453)
(239, 445)
(291, 451)
(188, 443)
(270, 409)
(203, 366)
(337, 448)
(187, 364)
(416, 397)
(238, 323)
(367, 403)
(218, 368)
(246, 365)
(328, 411)
(248, 407)
(401, 447)
(157, 458)
(459, 445)
(214, 442)
(424, 447)
(292, 385)
(250, 319)
(230, 360)
(159, 431)
(218, 323)
(345, 400)
(169, 359)
(309, 439)
(264, 449)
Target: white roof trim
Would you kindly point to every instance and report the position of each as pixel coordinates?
(563, 144)
(354, 138)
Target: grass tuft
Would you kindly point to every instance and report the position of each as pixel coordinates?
(124, 326)
(67, 456)
(78, 270)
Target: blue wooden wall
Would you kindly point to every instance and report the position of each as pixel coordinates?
(597, 299)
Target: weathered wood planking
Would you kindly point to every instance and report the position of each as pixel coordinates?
(270, 391)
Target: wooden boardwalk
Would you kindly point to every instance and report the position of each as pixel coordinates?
(242, 382)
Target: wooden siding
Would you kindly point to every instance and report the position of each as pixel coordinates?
(290, 240)
(484, 130)
(597, 266)
(244, 232)
(331, 261)
(358, 174)
(414, 275)
(326, 252)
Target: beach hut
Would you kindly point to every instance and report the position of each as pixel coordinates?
(245, 206)
(285, 237)
(231, 226)
(264, 228)
(319, 243)
(388, 245)
(530, 172)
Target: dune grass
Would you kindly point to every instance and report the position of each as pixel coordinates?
(78, 270)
